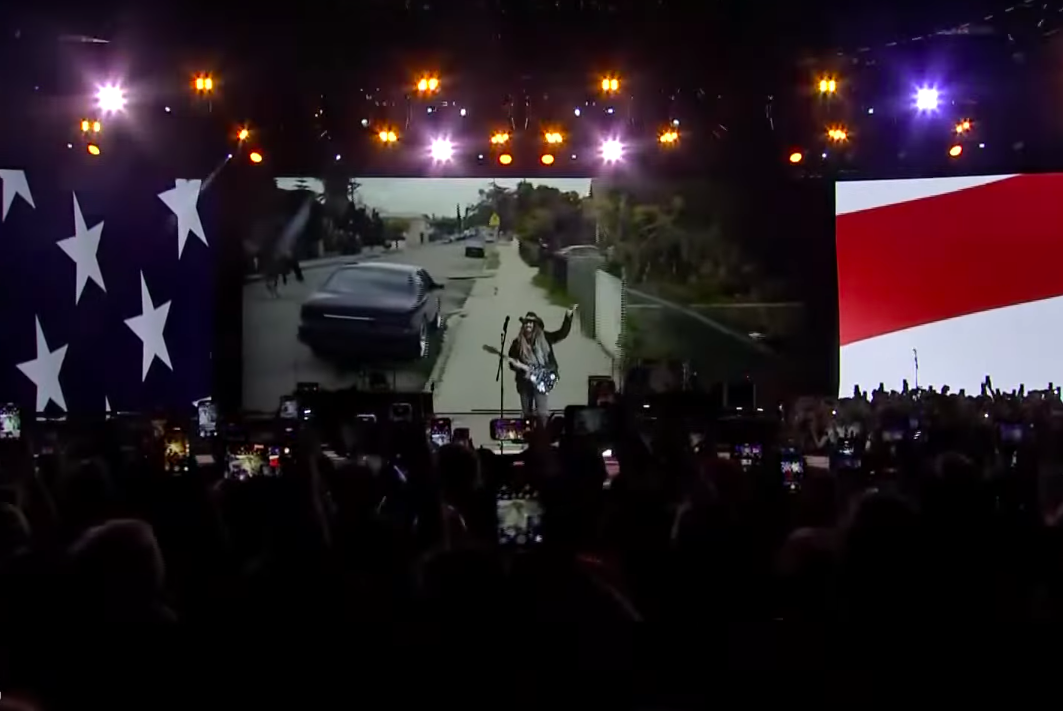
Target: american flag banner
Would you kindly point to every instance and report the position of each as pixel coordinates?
(107, 282)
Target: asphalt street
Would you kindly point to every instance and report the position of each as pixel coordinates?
(274, 359)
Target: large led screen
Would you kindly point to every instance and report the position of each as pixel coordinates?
(107, 281)
(944, 281)
(404, 283)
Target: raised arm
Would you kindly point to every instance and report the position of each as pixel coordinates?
(562, 333)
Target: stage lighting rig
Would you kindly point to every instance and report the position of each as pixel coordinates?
(796, 157)
(428, 85)
(927, 99)
(91, 126)
(553, 137)
(243, 134)
(255, 157)
(956, 151)
(547, 159)
(963, 127)
(838, 135)
(668, 137)
(111, 98)
(612, 150)
(610, 85)
(499, 139)
(203, 84)
(505, 159)
(93, 149)
(387, 137)
(828, 86)
(441, 150)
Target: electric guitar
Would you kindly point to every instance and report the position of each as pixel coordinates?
(542, 378)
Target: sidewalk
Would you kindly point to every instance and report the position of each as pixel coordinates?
(467, 384)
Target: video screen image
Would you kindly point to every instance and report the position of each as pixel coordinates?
(409, 283)
(944, 281)
(107, 288)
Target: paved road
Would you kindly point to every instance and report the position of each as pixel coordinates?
(275, 360)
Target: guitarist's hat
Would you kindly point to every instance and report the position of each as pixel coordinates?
(532, 317)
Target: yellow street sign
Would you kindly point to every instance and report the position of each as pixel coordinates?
(495, 221)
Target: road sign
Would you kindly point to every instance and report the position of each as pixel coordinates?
(495, 221)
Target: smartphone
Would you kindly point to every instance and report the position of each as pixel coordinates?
(846, 456)
(246, 461)
(289, 408)
(520, 516)
(793, 469)
(401, 412)
(365, 417)
(1011, 434)
(748, 454)
(177, 451)
(612, 467)
(440, 431)
(10, 422)
(587, 421)
(207, 419)
(510, 429)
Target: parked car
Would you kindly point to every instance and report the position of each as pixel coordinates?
(475, 248)
(374, 309)
(579, 250)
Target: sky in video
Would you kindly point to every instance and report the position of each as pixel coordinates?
(430, 196)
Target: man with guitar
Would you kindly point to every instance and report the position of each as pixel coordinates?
(533, 348)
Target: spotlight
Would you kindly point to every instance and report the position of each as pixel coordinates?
(499, 138)
(204, 84)
(428, 85)
(255, 157)
(837, 134)
(546, 159)
(243, 134)
(796, 157)
(956, 151)
(963, 126)
(386, 136)
(96, 126)
(612, 150)
(505, 159)
(110, 98)
(927, 99)
(554, 137)
(610, 85)
(668, 137)
(441, 150)
(93, 149)
(828, 86)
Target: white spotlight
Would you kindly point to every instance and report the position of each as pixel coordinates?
(612, 150)
(442, 150)
(926, 99)
(111, 98)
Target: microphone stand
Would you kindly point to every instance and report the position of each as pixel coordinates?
(498, 375)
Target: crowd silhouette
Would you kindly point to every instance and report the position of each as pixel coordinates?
(124, 582)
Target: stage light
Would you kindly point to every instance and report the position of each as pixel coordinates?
(956, 151)
(386, 136)
(612, 150)
(796, 157)
(428, 85)
(837, 134)
(93, 149)
(546, 159)
(255, 157)
(96, 126)
(499, 138)
(243, 134)
(828, 86)
(610, 85)
(553, 137)
(110, 98)
(668, 137)
(505, 159)
(441, 150)
(204, 84)
(963, 126)
(927, 99)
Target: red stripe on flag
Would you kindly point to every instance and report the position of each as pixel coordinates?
(925, 260)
